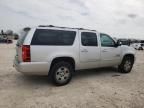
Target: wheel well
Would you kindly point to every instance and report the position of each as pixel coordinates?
(130, 55)
(66, 59)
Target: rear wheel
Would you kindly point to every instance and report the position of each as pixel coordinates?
(126, 65)
(61, 73)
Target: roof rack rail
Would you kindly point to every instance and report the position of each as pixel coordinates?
(85, 29)
(53, 26)
(64, 27)
(46, 26)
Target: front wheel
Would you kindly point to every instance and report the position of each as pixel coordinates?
(61, 73)
(126, 65)
(140, 48)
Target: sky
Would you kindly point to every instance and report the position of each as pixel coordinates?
(118, 18)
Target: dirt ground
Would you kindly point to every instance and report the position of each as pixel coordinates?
(98, 88)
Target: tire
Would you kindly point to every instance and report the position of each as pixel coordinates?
(61, 73)
(140, 48)
(126, 65)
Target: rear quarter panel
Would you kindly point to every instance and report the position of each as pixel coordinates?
(46, 53)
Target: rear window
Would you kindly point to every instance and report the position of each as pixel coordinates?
(23, 35)
(53, 37)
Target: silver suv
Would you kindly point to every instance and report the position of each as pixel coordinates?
(59, 51)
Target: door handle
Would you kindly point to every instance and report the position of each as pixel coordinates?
(84, 50)
(117, 55)
(104, 51)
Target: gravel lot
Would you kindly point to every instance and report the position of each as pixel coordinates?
(98, 88)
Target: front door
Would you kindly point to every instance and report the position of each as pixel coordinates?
(110, 53)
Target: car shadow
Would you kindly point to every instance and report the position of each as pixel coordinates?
(109, 71)
(81, 74)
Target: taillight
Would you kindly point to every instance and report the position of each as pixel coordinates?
(26, 53)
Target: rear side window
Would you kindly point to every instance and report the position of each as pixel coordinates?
(53, 37)
(89, 39)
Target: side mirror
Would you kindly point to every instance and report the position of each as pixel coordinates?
(118, 43)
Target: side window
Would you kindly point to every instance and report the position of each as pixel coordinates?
(106, 41)
(53, 37)
(89, 39)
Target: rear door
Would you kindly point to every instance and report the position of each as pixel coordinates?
(89, 49)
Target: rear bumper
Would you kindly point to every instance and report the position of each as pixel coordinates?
(32, 68)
